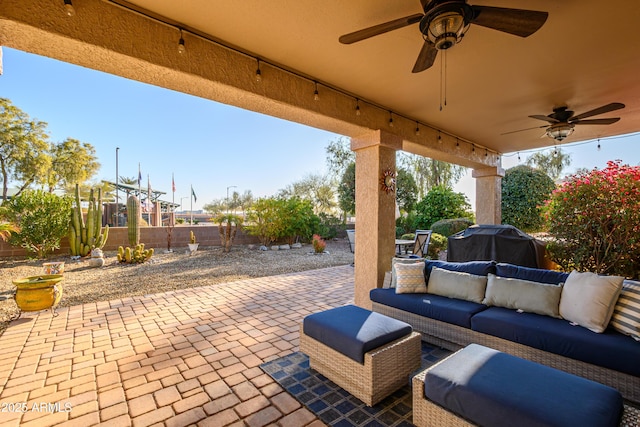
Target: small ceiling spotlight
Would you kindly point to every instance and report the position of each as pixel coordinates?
(68, 8)
(181, 48)
(258, 72)
(357, 107)
(316, 95)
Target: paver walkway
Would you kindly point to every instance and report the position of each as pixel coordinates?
(188, 357)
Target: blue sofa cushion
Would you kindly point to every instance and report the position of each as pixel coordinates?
(479, 268)
(491, 388)
(609, 349)
(450, 310)
(354, 331)
(532, 274)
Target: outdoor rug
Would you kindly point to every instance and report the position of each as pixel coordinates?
(337, 407)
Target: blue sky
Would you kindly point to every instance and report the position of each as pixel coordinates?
(205, 144)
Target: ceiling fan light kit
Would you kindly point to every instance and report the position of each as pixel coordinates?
(559, 131)
(445, 25)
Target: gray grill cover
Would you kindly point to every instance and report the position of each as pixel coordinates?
(500, 243)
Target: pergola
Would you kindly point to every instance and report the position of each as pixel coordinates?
(583, 57)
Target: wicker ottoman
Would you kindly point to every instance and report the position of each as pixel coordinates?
(367, 354)
(481, 386)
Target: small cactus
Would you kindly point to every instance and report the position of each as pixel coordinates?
(192, 237)
(133, 219)
(136, 255)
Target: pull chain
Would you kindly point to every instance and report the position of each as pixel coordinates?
(443, 79)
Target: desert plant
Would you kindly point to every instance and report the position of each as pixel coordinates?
(524, 191)
(85, 237)
(6, 228)
(318, 244)
(437, 244)
(228, 225)
(136, 255)
(133, 220)
(441, 203)
(169, 230)
(595, 219)
(42, 217)
(447, 227)
(192, 237)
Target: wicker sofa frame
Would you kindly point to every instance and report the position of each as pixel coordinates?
(427, 413)
(384, 371)
(453, 337)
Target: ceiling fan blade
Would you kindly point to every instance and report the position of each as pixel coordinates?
(426, 57)
(601, 110)
(365, 33)
(596, 121)
(522, 130)
(545, 118)
(519, 22)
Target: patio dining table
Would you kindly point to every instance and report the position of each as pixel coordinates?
(402, 244)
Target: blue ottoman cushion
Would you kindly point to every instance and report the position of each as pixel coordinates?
(354, 331)
(496, 389)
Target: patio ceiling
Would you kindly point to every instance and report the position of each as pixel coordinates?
(585, 56)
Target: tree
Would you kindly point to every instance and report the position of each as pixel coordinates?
(524, 191)
(23, 148)
(429, 173)
(552, 164)
(406, 190)
(347, 190)
(313, 188)
(339, 157)
(43, 219)
(72, 162)
(441, 203)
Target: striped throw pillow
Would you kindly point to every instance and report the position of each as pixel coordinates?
(626, 314)
(410, 278)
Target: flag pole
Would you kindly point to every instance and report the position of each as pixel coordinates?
(191, 198)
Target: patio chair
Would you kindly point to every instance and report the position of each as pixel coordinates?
(421, 243)
(351, 235)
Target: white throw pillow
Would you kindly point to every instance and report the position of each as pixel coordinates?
(525, 295)
(589, 299)
(410, 278)
(455, 284)
(626, 314)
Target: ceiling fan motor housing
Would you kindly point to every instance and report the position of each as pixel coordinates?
(446, 22)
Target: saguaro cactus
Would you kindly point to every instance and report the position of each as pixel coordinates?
(133, 220)
(85, 237)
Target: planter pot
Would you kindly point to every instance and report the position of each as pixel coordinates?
(35, 293)
(193, 247)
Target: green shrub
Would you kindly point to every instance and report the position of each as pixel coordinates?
(272, 219)
(329, 226)
(437, 244)
(42, 218)
(406, 224)
(441, 203)
(595, 219)
(524, 191)
(447, 227)
(408, 236)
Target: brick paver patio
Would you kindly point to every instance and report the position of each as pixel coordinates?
(188, 357)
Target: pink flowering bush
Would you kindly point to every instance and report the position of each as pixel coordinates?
(318, 244)
(595, 219)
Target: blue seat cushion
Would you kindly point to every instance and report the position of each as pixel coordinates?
(354, 331)
(450, 310)
(496, 389)
(479, 268)
(609, 349)
(532, 274)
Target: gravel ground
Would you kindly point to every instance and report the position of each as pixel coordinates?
(165, 272)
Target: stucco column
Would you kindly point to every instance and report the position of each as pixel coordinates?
(375, 211)
(488, 194)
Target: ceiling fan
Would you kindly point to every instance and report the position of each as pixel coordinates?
(445, 22)
(562, 121)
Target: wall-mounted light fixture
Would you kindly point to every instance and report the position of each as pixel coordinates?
(181, 48)
(68, 8)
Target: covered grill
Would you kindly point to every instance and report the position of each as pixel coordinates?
(500, 243)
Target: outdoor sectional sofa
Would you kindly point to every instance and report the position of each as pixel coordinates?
(609, 357)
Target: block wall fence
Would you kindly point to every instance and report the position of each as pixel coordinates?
(152, 237)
